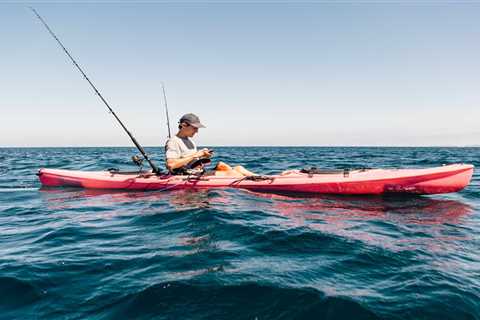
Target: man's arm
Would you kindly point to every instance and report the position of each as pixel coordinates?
(173, 164)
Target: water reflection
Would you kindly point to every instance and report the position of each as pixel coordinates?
(326, 208)
(409, 209)
(61, 198)
(395, 223)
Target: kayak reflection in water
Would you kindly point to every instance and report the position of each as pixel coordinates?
(182, 156)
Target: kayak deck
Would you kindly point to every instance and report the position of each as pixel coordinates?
(448, 178)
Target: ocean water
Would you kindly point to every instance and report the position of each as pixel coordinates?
(233, 254)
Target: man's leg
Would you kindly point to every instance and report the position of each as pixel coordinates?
(244, 171)
(223, 169)
(222, 166)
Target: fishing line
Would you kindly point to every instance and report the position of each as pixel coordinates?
(139, 147)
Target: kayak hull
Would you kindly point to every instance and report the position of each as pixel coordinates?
(445, 179)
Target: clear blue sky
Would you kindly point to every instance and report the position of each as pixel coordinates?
(325, 73)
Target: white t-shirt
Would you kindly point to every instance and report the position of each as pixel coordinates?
(176, 148)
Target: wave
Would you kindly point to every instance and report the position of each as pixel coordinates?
(16, 294)
(18, 189)
(178, 300)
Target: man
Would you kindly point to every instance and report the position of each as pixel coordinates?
(180, 150)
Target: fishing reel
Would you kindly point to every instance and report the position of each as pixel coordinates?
(137, 161)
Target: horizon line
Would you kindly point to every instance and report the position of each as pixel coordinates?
(258, 146)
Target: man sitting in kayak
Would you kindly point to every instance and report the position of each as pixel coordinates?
(180, 150)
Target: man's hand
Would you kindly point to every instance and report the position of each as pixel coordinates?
(178, 163)
(204, 153)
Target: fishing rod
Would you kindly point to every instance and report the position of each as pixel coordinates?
(135, 142)
(166, 110)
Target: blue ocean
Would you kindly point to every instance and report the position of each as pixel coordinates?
(232, 254)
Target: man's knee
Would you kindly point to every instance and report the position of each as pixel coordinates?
(222, 166)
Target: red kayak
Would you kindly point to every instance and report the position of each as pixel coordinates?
(448, 178)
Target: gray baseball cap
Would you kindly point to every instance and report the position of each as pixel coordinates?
(192, 120)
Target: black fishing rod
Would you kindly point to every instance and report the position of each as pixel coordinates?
(166, 110)
(135, 142)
